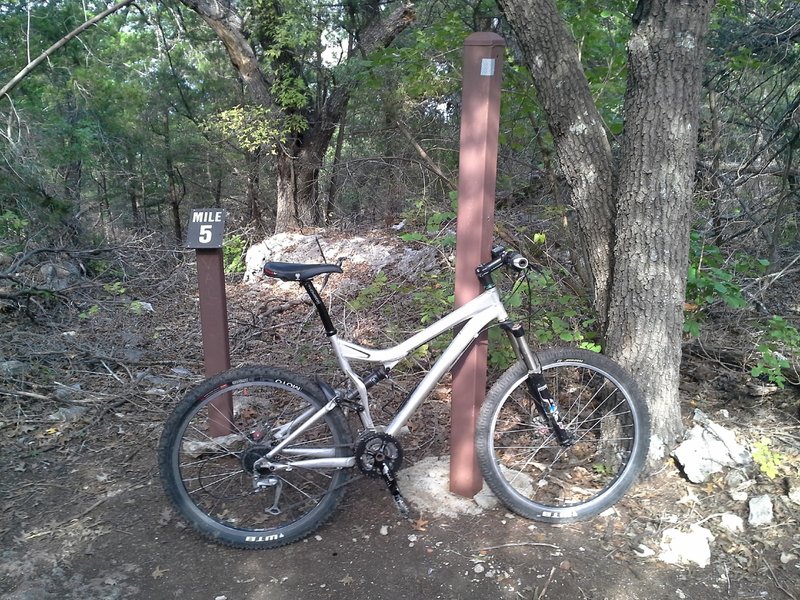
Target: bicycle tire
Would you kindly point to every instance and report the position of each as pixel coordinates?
(530, 472)
(210, 475)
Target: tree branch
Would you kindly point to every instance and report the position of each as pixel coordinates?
(72, 34)
(429, 162)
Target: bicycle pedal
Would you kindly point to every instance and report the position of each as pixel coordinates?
(402, 506)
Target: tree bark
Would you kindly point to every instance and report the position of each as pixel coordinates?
(253, 187)
(654, 200)
(230, 29)
(582, 147)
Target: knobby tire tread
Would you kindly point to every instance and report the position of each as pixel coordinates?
(175, 426)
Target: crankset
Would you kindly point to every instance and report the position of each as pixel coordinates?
(381, 455)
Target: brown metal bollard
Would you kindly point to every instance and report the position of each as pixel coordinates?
(480, 126)
(205, 232)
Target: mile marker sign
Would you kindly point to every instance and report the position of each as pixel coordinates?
(206, 228)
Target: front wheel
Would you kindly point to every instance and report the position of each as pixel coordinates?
(607, 423)
(214, 464)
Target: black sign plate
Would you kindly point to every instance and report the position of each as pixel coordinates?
(206, 228)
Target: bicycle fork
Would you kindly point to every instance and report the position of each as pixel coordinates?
(537, 387)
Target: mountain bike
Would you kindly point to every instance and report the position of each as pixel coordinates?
(259, 457)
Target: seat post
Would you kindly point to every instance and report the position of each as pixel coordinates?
(308, 285)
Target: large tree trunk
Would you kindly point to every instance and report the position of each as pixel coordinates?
(654, 200)
(582, 147)
(634, 217)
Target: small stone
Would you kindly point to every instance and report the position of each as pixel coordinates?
(760, 511)
(384, 530)
(479, 568)
(683, 548)
(794, 491)
(731, 522)
(739, 496)
(787, 557)
(689, 499)
(709, 448)
(12, 368)
(735, 479)
(65, 392)
(71, 413)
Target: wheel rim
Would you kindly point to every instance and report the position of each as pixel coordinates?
(214, 486)
(591, 473)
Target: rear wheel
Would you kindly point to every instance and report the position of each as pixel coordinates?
(213, 466)
(605, 417)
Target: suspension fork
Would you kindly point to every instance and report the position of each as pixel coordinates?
(537, 387)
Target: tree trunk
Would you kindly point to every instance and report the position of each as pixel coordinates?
(253, 187)
(175, 195)
(73, 174)
(654, 200)
(333, 185)
(582, 147)
(297, 176)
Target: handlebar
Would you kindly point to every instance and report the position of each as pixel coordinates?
(500, 258)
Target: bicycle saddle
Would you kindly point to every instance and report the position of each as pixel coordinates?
(298, 272)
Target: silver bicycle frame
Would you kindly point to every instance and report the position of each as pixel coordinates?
(475, 315)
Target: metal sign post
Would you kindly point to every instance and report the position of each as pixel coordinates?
(204, 234)
(480, 126)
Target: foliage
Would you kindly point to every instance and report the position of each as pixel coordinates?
(90, 312)
(138, 307)
(115, 289)
(712, 277)
(366, 297)
(12, 230)
(438, 224)
(234, 248)
(769, 461)
(602, 30)
(558, 314)
(252, 127)
(147, 95)
(780, 341)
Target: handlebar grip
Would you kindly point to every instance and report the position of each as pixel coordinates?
(516, 260)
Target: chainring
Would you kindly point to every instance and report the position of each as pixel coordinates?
(374, 449)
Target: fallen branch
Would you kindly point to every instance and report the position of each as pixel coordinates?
(513, 544)
(777, 583)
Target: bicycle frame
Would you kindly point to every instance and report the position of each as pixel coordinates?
(473, 316)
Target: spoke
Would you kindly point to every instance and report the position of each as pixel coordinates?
(204, 487)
